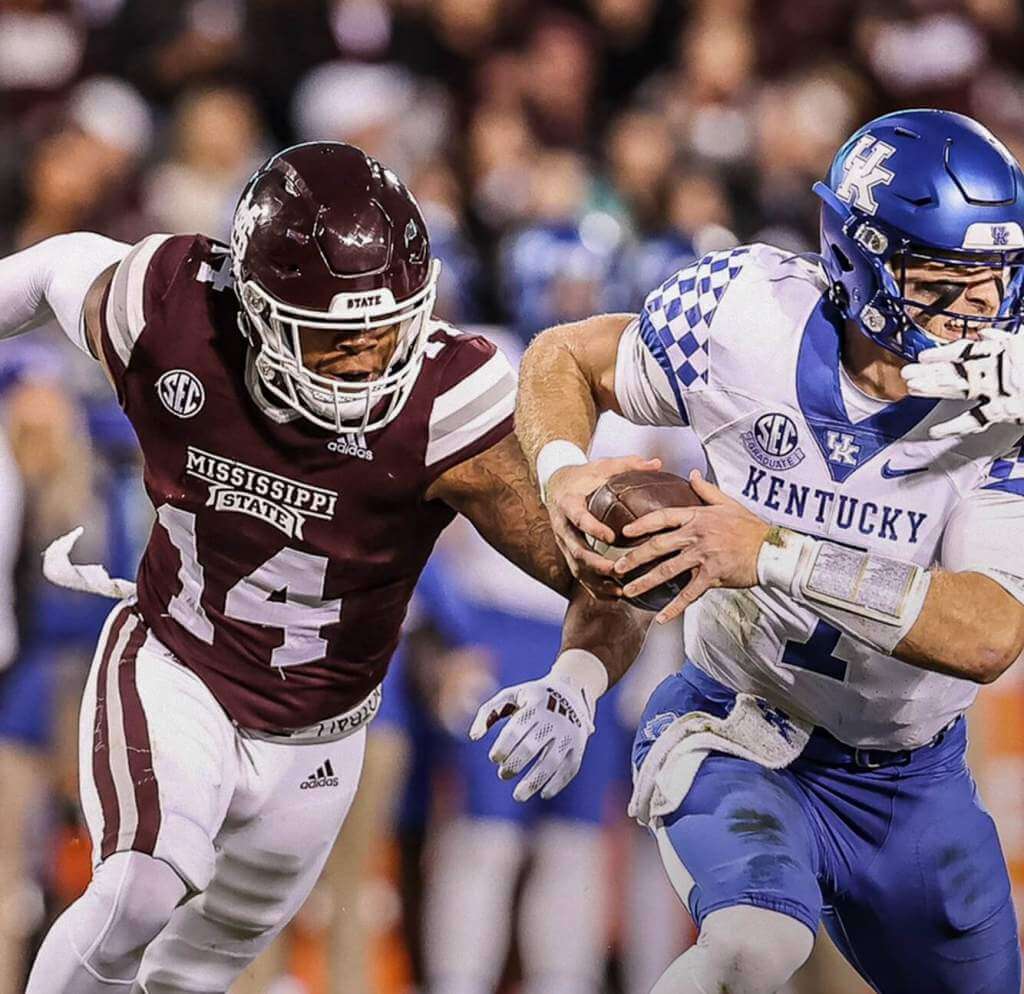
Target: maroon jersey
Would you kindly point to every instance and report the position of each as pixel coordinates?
(282, 558)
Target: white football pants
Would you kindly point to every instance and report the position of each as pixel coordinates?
(247, 823)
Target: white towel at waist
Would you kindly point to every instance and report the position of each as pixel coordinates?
(752, 730)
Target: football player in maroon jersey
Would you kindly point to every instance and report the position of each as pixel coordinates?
(308, 430)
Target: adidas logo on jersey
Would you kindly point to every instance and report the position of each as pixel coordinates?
(324, 777)
(345, 447)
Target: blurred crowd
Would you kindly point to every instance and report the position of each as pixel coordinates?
(607, 138)
(568, 155)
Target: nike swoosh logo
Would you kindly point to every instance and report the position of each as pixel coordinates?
(891, 474)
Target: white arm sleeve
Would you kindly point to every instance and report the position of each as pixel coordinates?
(51, 279)
(642, 389)
(985, 534)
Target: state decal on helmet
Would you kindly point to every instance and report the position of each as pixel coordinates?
(325, 238)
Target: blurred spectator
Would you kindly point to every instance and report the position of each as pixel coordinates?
(41, 50)
(164, 47)
(501, 155)
(559, 79)
(640, 153)
(216, 145)
(707, 96)
(695, 217)
(459, 290)
(383, 109)
(560, 272)
(83, 175)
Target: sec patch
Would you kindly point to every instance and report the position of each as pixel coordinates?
(181, 393)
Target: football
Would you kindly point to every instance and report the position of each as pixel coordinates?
(628, 496)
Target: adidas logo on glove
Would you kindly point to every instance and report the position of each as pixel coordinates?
(559, 704)
(324, 777)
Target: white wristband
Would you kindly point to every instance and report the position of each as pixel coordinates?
(780, 559)
(555, 455)
(584, 670)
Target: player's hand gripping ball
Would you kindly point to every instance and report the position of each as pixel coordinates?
(623, 499)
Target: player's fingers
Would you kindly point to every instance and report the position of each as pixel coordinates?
(582, 557)
(568, 769)
(659, 520)
(940, 380)
(697, 586)
(950, 352)
(706, 490)
(515, 746)
(661, 573)
(996, 335)
(969, 423)
(501, 705)
(625, 464)
(654, 548)
(579, 516)
(540, 773)
(521, 757)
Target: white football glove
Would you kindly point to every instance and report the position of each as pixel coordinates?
(550, 722)
(990, 371)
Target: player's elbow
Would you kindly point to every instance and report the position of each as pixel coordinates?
(999, 647)
(548, 346)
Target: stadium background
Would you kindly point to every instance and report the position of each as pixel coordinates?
(568, 156)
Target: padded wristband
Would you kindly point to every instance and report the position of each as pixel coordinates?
(555, 455)
(876, 599)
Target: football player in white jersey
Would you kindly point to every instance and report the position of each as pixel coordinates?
(854, 576)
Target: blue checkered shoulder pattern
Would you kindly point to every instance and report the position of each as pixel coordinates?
(1007, 472)
(675, 323)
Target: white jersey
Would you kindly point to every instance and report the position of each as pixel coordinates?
(744, 346)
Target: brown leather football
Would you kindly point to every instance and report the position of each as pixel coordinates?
(628, 496)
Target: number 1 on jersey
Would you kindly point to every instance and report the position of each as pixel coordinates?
(286, 592)
(818, 653)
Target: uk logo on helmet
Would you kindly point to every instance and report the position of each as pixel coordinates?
(863, 171)
(181, 393)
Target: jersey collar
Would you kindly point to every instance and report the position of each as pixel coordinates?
(845, 445)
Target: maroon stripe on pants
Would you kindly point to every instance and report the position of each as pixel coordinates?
(140, 755)
(101, 772)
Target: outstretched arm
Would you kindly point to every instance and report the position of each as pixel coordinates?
(552, 717)
(494, 491)
(61, 278)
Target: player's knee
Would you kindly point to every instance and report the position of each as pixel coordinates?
(138, 895)
(754, 950)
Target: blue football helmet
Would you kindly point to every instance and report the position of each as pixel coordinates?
(921, 186)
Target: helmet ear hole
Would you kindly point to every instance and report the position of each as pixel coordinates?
(840, 256)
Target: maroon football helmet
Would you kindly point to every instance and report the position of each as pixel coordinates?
(326, 238)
